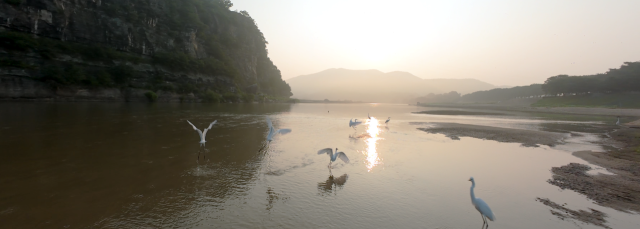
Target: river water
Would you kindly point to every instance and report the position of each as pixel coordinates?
(128, 165)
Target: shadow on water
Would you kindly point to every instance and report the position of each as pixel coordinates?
(332, 184)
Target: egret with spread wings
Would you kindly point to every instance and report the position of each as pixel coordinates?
(332, 156)
(202, 134)
(273, 132)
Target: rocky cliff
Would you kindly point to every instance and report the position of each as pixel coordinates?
(195, 50)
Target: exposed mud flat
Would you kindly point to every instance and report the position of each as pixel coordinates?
(593, 216)
(620, 191)
(456, 112)
(528, 138)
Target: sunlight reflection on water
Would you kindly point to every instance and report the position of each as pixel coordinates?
(371, 154)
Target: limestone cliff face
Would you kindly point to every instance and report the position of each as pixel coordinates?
(183, 48)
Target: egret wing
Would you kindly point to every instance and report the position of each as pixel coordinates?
(204, 134)
(283, 131)
(343, 157)
(194, 127)
(199, 132)
(484, 209)
(325, 150)
(269, 122)
(212, 123)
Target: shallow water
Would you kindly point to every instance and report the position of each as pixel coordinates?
(111, 165)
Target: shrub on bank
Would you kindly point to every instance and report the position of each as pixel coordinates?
(151, 96)
(211, 97)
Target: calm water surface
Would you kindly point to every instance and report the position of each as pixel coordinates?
(110, 165)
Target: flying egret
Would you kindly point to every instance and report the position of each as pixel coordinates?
(202, 134)
(333, 156)
(481, 206)
(273, 132)
(618, 122)
(388, 119)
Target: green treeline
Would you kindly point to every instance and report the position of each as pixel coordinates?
(502, 94)
(489, 96)
(624, 79)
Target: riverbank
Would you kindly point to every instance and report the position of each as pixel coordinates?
(525, 107)
(619, 189)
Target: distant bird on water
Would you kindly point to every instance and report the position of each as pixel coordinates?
(618, 122)
(481, 206)
(273, 132)
(388, 119)
(202, 134)
(332, 156)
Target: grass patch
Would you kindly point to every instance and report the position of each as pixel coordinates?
(617, 100)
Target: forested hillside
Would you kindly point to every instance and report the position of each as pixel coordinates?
(194, 50)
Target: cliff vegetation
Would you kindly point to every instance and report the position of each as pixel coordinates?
(151, 50)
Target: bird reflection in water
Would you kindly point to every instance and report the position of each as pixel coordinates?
(332, 184)
(273, 197)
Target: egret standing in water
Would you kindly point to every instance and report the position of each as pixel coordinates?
(202, 134)
(388, 119)
(481, 206)
(354, 123)
(618, 122)
(273, 132)
(332, 156)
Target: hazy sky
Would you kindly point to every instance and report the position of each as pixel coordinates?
(499, 42)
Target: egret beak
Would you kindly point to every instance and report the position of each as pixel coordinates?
(469, 179)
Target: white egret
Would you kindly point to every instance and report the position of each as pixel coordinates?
(354, 123)
(388, 119)
(481, 206)
(618, 122)
(273, 132)
(332, 156)
(202, 134)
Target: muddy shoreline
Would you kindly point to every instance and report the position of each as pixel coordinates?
(620, 191)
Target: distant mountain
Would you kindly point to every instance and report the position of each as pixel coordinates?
(375, 86)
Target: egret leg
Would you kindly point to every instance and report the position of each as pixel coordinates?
(204, 153)
(483, 220)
